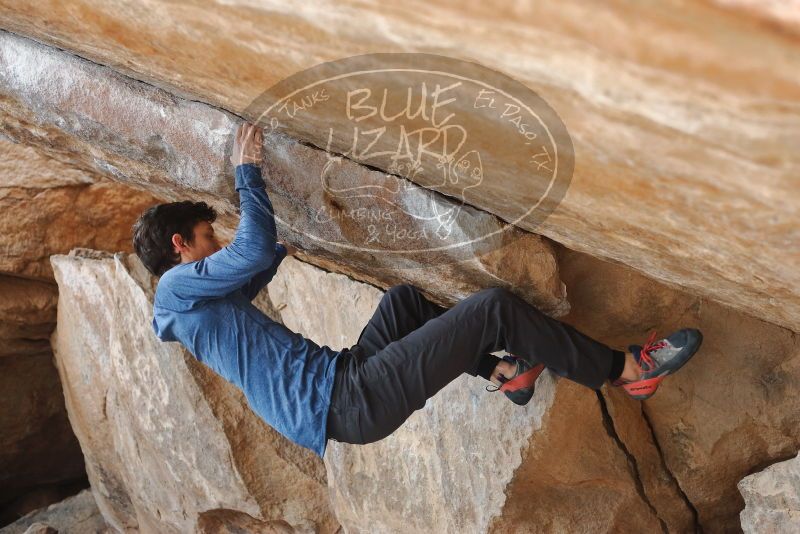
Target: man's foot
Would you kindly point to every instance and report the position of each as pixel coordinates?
(519, 388)
(657, 359)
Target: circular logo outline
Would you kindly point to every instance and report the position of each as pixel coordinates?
(567, 150)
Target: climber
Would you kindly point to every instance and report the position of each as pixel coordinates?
(409, 350)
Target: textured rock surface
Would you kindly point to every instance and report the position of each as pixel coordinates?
(177, 149)
(522, 261)
(74, 515)
(165, 439)
(772, 498)
(39, 455)
(556, 450)
(337, 319)
(40, 460)
(47, 207)
(27, 316)
(684, 116)
(730, 410)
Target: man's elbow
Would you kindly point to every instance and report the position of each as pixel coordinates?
(255, 258)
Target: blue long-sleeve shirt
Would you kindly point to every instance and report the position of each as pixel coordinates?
(206, 305)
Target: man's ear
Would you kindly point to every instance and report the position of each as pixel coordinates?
(177, 242)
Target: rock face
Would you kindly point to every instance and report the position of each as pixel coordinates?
(164, 438)
(178, 149)
(568, 448)
(49, 208)
(685, 177)
(39, 455)
(27, 316)
(772, 498)
(729, 410)
(686, 161)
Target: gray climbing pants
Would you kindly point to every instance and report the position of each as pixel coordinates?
(411, 348)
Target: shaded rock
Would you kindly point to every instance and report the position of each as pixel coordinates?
(40, 459)
(772, 498)
(27, 316)
(630, 424)
(38, 450)
(165, 439)
(47, 207)
(686, 162)
(575, 476)
(729, 410)
(74, 515)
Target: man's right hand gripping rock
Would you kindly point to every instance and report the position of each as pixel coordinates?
(247, 145)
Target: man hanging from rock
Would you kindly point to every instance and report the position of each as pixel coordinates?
(409, 350)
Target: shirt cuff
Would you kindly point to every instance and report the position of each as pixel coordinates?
(249, 175)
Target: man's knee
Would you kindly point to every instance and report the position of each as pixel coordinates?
(494, 294)
(503, 298)
(402, 290)
(499, 297)
(398, 294)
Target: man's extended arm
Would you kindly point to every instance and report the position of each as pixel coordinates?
(252, 251)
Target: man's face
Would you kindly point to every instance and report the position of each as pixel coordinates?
(204, 244)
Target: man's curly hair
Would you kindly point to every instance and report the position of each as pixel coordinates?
(152, 232)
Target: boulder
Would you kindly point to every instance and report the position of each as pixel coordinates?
(164, 438)
(671, 462)
(772, 498)
(138, 405)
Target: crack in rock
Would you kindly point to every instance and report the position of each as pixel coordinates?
(698, 528)
(633, 466)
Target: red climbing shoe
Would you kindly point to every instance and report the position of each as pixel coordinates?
(520, 387)
(657, 359)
